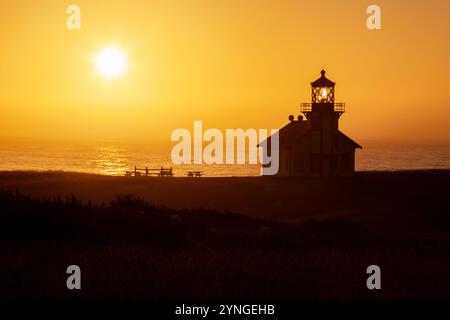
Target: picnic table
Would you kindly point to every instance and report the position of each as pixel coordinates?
(194, 174)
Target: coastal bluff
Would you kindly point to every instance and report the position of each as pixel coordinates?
(391, 201)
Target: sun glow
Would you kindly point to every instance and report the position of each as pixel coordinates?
(111, 62)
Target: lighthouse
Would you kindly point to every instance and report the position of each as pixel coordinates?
(312, 144)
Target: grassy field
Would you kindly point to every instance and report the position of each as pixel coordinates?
(255, 238)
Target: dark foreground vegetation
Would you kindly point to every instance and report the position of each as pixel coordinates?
(132, 249)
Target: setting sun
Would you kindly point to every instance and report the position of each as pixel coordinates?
(111, 62)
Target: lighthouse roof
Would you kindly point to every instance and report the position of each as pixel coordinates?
(296, 131)
(323, 81)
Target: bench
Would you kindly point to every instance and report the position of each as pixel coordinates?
(140, 172)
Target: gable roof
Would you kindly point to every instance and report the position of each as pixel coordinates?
(356, 145)
(289, 132)
(296, 130)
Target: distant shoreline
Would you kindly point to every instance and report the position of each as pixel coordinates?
(357, 173)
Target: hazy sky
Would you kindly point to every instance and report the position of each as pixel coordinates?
(230, 63)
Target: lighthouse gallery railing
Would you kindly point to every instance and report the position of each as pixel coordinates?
(307, 107)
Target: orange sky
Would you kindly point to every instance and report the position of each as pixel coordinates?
(229, 63)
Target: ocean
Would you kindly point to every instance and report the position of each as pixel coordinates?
(114, 158)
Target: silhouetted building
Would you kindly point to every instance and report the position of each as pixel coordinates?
(314, 146)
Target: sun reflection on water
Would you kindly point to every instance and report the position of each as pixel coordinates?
(110, 160)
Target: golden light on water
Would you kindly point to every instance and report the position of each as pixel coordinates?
(111, 161)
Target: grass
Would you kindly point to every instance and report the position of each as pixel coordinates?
(133, 249)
